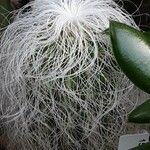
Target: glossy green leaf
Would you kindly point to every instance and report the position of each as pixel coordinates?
(141, 114)
(142, 147)
(132, 51)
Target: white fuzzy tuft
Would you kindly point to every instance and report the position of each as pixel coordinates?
(61, 87)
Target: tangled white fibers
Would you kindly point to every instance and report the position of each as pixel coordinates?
(61, 88)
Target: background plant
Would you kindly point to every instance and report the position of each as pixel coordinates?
(131, 49)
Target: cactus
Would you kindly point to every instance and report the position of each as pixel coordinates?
(5, 9)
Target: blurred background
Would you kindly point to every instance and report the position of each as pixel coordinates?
(140, 9)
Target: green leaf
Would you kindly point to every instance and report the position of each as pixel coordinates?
(142, 147)
(132, 51)
(106, 31)
(141, 114)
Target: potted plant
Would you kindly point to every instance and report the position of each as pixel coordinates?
(61, 87)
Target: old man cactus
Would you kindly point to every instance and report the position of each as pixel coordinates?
(5, 8)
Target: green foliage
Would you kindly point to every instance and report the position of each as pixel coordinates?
(132, 51)
(142, 147)
(141, 114)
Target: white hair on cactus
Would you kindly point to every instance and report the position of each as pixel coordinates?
(61, 88)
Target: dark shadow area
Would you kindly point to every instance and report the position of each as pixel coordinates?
(140, 10)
